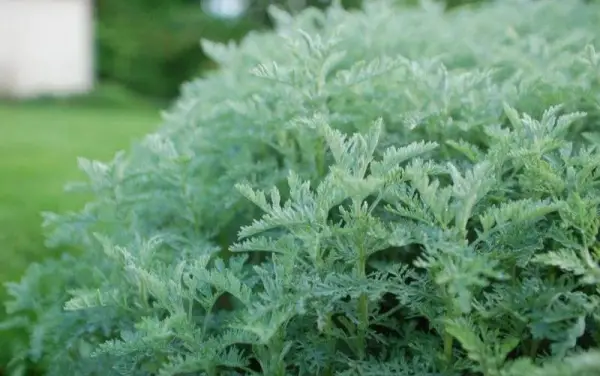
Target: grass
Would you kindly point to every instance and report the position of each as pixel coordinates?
(39, 145)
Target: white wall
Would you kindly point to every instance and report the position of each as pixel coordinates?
(46, 47)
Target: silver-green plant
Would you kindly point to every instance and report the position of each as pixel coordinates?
(391, 191)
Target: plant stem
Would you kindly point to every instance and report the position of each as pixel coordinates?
(330, 345)
(363, 305)
(448, 342)
(144, 295)
(276, 347)
(535, 344)
(363, 316)
(320, 162)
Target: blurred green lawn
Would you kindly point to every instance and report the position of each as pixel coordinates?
(39, 145)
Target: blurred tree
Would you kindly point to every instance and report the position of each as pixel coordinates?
(151, 46)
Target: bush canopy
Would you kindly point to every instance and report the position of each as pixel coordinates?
(386, 191)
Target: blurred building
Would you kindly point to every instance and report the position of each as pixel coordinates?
(46, 47)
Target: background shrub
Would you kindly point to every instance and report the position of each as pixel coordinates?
(391, 191)
(151, 47)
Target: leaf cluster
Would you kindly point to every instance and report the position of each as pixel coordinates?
(390, 191)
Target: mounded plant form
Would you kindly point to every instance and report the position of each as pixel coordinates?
(391, 191)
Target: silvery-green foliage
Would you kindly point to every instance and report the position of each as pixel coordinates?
(395, 191)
